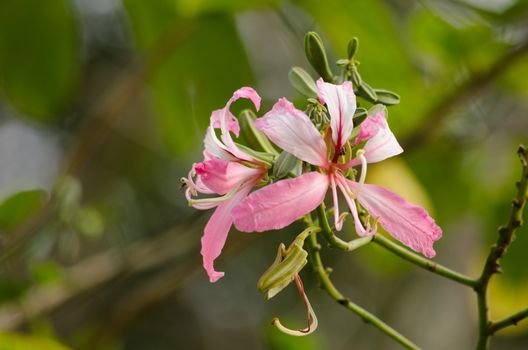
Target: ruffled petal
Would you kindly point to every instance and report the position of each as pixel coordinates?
(232, 121)
(408, 223)
(276, 206)
(216, 230)
(221, 176)
(292, 130)
(381, 142)
(214, 148)
(341, 103)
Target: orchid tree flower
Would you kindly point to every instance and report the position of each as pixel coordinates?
(227, 171)
(280, 204)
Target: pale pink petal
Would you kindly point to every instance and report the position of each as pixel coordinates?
(216, 230)
(276, 206)
(381, 142)
(228, 123)
(214, 148)
(232, 121)
(408, 223)
(341, 103)
(292, 130)
(221, 176)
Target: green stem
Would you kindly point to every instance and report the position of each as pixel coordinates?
(508, 321)
(335, 241)
(423, 262)
(366, 316)
(492, 266)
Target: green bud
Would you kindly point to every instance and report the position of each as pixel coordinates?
(89, 222)
(352, 47)
(316, 55)
(285, 163)
(67, 194)
(367, 92)
(302, 82)
(255, 138)
(387, 97)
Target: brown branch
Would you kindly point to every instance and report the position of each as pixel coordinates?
(441, 111)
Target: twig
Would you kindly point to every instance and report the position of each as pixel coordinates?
(492, 266)
(423, 262)
(441, 111)
(329, 287)
(508, 321)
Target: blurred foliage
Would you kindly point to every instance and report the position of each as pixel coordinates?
(59, 59)
(39, 56)
(19, 208)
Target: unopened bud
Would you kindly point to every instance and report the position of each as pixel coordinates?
(352, 47)
(316, 55)
(285, 163)
(387, 97)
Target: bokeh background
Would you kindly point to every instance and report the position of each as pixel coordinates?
(103, 107)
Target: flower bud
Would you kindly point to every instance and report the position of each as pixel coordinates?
(302, 82)
(352, 47)
(316, 55)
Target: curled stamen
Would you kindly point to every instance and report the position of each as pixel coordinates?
(338, 221)
(311, 317)
(343, 186)
(208, 203)
(361, 155)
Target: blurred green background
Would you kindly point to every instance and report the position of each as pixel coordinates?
(103, 106)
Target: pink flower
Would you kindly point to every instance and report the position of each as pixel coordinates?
(227, 171)
(280, 204)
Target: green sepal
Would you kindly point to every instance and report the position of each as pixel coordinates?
(264, 157)
(316, 55)
(302, 82)
(286, 265)
(387, 97)
(285, 163)
(255, 138)
(355, 77)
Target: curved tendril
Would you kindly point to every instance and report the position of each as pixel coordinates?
(311, 317)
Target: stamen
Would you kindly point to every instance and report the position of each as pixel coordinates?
(207, 203)
(360, 230)
(337, 220)
(311, 317)
(361, 155)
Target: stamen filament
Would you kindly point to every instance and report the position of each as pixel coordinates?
(311, 317)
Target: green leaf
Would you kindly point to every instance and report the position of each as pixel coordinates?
(89, 221)
(197, 76)
(39, 56)
(14, 341)
(367, 92)
(386, 97)
(20, 207)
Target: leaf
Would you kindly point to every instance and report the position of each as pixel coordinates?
(39, 56)
(198, 77)
(20, 207)
(14, 341)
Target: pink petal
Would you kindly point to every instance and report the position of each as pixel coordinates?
(292, 130)
(382, 143)
(232, 121)
(276, 206)
(216, 230)
(408, 223)
(214, 148)
(227, 123)
(341, 103)
(221, 176)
